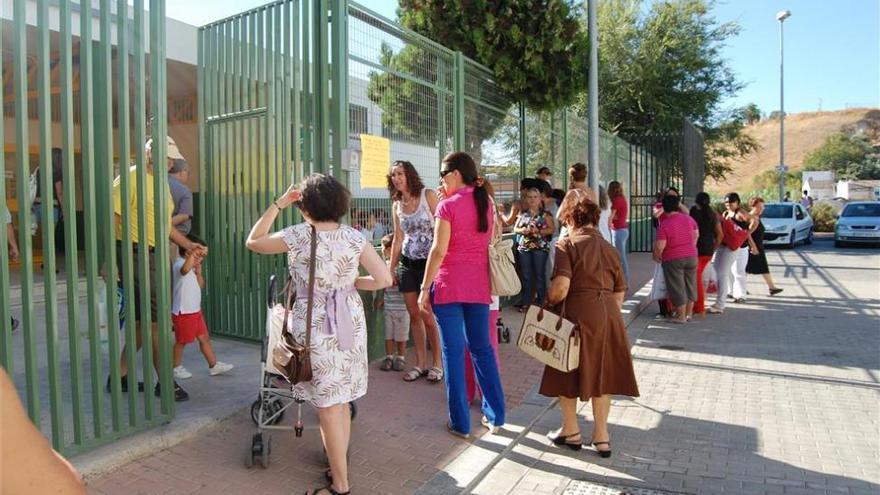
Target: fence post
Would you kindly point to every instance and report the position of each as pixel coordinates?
(523, 142)
(564, 141)
(339, 35)
(458, 109)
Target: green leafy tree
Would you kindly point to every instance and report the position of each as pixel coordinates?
(850, 157)
(751, 113)
(766, 185)
(535, 48)
(660, 64)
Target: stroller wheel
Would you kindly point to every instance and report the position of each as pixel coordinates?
(255, 451)
(270, 407)
(267, 449)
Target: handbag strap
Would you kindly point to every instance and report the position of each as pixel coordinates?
(289, 291)
(311, 300)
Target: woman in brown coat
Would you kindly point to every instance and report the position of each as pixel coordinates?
(589, 278)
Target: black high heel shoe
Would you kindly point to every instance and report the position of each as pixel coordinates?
(562, 440)
(603, 453)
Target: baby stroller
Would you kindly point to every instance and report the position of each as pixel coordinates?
(275, 395)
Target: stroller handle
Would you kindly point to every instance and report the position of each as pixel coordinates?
(270, 296)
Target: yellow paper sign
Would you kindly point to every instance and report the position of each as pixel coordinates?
(375, 158)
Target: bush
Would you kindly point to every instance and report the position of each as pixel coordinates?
(824, 217)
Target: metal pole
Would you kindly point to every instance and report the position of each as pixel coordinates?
(781, 16)
(593, 93)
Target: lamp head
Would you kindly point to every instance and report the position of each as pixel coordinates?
(783, 15)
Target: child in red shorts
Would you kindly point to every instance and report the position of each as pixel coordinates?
(186, 313)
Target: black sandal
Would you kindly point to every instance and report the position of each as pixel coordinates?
(563, 440)
(603, 453)
(330, 489)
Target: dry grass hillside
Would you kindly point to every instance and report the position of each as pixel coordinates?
(804, 132)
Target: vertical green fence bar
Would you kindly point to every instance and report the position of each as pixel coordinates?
(308, 111)
(5, 309)
(321, 60)
(223, 161)
(47, 185)
(87, 153)
(339, 46)
(104, 143)
(235, 143)
(22, 173)
(252, 313)
(65, 38)
(140, 137)
(162, 208)
(122, 98)
(458, 123)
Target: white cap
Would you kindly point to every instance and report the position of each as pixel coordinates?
(171, 149)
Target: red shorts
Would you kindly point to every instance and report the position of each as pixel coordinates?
(188, 326)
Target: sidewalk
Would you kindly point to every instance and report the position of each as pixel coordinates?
(399, 441)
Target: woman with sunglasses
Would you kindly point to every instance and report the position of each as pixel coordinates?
(456, 286)
(413, 214)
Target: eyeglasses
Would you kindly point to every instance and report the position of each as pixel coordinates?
(444, 173)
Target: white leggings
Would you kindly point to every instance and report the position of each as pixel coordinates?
(741, 259)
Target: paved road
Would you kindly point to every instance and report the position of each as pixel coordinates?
(779, 395)
(776, 396)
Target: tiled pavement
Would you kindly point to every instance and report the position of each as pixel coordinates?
(778, 396)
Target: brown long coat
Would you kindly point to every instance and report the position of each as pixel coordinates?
(593, 266)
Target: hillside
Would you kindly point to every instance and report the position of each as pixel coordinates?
(804, 132)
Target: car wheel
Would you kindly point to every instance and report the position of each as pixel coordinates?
(809, 240)
(791, 240)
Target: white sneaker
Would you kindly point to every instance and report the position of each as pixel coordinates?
(181, 373)
(219, 368)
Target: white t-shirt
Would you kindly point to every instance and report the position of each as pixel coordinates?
(186, 294)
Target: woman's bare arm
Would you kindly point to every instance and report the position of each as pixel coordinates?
(379, 277)
(558, 290)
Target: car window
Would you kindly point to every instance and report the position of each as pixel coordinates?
(777, 211)
(862, 210)
(799, 212)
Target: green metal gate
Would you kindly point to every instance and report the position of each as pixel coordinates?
(272, 103)
(59, 358)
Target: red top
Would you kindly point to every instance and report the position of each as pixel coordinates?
(678, 232)
(620, 221)
(464, 274)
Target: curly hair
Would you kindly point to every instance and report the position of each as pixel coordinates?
(581, 212)
(324, 199)
(413, 181)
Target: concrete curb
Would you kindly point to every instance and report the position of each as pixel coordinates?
(477, 461)
(110, 457)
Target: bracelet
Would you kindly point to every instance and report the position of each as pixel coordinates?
(275, 202)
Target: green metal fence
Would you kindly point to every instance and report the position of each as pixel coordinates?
(68, 346)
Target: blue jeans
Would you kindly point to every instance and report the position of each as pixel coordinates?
(533, 265)
(619, 238)
(467, 324)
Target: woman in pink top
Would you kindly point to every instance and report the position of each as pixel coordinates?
(456, 286)
(619, 223)
(676, 249)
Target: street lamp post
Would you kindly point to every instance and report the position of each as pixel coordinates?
(781, 16)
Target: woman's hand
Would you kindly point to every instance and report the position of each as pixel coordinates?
(441, 192)
(292, 195)
(425, 301)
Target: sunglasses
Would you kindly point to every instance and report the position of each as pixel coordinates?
(444, 173)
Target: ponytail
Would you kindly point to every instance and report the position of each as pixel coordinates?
(481, 198)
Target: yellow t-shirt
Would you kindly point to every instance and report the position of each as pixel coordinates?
(133, 206)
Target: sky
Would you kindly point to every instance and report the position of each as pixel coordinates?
(832, 48)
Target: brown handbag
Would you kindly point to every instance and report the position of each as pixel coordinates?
(292, 359)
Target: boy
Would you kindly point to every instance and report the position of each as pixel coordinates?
(186, 312)
(396, 319)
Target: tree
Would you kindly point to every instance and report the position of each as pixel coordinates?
(848, 156)
(751, 113)
(766, 184)
(536, 49)
(660, 64)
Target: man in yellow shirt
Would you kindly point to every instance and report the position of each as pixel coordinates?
(147, 240)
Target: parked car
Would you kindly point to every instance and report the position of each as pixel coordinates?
(858, 222)
(786, 224)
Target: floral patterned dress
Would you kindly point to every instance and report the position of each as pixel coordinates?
(339, 330)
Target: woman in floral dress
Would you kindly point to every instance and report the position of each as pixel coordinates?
(339, 330)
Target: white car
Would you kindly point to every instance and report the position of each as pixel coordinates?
(858, 222)
(786, 224)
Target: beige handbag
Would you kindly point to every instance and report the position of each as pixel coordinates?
(550, 338)
(502, 271)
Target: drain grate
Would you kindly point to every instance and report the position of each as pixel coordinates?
(580, 487)
(671, 347)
